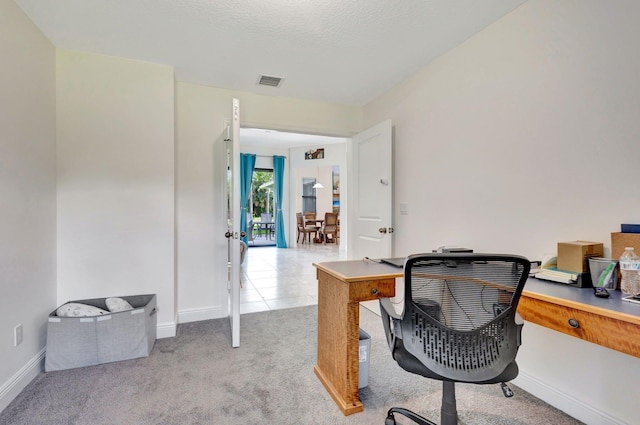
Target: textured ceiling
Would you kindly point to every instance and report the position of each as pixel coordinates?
(342, 51)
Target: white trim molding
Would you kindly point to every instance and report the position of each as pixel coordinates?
(562, 401)
(166, 330)
(198, 314)
(21, 379)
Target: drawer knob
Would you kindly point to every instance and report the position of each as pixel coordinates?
(374, 291)
(574, 323)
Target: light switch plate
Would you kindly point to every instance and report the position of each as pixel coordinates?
(17, 335)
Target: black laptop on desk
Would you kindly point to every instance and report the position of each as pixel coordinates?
(396, 262)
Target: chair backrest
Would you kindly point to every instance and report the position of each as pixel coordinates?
(299, 220)
(250, 229)
(460, 310)
(330, 220)
(309, 215)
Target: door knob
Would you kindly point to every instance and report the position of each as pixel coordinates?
(243, 234)
(227, 235)
(390, 229)
(382, 230)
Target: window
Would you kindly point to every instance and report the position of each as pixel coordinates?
(308, 195)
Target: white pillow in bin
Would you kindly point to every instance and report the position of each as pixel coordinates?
(79, 310)
(117, 304)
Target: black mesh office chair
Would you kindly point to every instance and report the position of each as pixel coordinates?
(458, 324)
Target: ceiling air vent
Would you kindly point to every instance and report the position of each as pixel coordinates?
(266, 80)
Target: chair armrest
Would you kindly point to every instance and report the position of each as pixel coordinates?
(386, 304)
(519, 325)
(518, 319)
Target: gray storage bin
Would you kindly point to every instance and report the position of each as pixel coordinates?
(364, 358)
(85, 341)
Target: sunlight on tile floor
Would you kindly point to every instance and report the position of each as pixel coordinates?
(274, 279)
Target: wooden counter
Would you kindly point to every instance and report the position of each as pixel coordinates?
(610, 322)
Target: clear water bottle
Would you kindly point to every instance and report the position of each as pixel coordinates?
(630, 270)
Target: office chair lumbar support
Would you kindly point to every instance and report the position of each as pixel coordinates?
(458, 323)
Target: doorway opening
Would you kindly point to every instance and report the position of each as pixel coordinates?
(261, 227)
(276, 278)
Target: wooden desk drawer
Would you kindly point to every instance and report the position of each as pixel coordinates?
(606, 331)
(371, 290)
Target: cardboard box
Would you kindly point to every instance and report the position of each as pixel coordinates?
(619, 241)
(574, 256)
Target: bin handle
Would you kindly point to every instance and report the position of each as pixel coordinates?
(154, 311)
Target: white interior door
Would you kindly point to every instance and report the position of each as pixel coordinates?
(233, 221)
(371, 193)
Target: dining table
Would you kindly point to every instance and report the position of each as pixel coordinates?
(317, 223)
(267, 227)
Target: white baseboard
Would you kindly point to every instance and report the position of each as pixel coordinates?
(166, 330)
(565, 402)
(21, 379)
(198, 314)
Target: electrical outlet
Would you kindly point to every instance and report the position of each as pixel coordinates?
(17, 335)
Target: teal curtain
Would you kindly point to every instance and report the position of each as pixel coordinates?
(278, 178)
(247, 163)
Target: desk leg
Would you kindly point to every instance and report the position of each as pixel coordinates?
(338, 340)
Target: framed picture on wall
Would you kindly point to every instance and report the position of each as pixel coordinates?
(314, 154)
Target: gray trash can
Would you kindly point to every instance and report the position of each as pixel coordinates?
(364, 359)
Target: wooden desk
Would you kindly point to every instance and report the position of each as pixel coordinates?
(611, 322)
(341, 287)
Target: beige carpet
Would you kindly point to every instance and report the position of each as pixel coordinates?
(197, 378)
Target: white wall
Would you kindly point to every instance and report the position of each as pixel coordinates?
(321, 169)
(201, 115)
(28, 198)
(115, 148)
(523, 136)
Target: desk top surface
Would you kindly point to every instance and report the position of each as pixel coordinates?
(359, 270)
(552, 291)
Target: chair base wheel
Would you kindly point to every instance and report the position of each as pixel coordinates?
(409, 414)
(506, 390)
(390, 420)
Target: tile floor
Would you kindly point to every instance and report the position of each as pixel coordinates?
(274, 279)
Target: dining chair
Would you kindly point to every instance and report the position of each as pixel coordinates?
(243, 254)
(266, 223)
(309, 218)
(250, 224)
(304, 230)
(330, 227)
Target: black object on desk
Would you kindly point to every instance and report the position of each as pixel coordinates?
(396, 262)
(601, 292)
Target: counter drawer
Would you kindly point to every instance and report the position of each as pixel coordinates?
(606, 331)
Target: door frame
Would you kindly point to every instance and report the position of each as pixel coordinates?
(233, 283)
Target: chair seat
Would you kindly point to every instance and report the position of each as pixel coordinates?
(411, 364)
